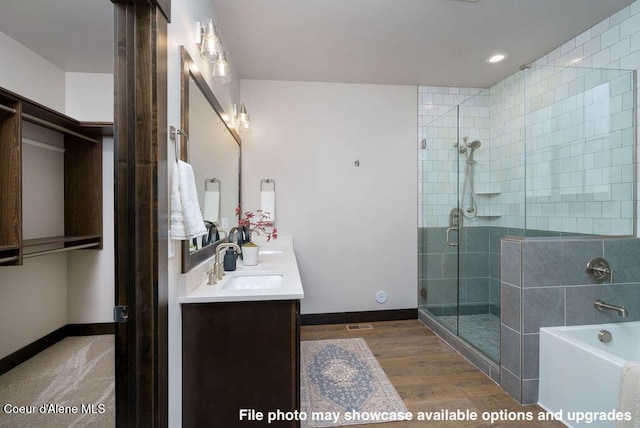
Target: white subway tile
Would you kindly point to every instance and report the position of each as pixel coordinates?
(601, 59)
(600, 27)
(610, 37)
(592, 47)
(630, 26)
(619, 16)
(631, 61)
(620, 49)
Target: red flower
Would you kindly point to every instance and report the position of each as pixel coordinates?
(257, 222)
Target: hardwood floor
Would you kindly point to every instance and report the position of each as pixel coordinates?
(429, 375)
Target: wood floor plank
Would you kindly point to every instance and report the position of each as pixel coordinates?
(429, 375)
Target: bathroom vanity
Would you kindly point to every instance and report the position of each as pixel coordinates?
(241, 341)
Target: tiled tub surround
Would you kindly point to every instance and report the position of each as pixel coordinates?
(544, 284)
(468, 306)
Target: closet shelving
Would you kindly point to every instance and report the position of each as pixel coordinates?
(82, 180)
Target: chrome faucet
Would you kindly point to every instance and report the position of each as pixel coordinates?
(218, 271)
(601, 306)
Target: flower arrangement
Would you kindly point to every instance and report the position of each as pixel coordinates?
(257, 221)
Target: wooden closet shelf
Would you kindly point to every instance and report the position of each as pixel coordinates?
(61, 240)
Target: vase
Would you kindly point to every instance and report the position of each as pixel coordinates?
(250, 255)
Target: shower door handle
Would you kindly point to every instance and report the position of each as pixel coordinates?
(453, 244)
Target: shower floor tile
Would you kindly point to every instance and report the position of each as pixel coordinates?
(480, 330)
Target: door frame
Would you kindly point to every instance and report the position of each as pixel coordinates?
(141, 211)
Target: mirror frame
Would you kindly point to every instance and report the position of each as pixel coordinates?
(191, 259)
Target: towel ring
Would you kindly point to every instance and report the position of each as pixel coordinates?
(268, 181)
(173, 135)
(212, 180)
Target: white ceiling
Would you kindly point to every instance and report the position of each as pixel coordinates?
(75, 35)
(425, 42)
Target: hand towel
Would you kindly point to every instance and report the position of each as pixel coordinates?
(211, 206)
(186, 218)
(268, 204)
(629, 395)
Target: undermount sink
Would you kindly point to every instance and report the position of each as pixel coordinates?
(254, 282)
(271, 250)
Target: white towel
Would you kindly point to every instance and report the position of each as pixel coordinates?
(268, 204)
(629, 395)
(211, 206)
(186, 218)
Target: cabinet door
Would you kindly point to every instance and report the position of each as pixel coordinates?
(239, 356)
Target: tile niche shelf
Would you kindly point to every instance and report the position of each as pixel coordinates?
(488, 193)
(82, 180)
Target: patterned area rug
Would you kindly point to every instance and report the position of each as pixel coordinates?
(342, 383)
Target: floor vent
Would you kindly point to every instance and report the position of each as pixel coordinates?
(351, 327)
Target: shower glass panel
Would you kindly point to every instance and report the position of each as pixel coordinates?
(439, 220)
(547, 152)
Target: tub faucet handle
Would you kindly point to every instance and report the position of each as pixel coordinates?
(598, 270)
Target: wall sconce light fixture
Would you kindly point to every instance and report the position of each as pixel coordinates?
(221, 72)
(208, 40)
(242, 120)
(211, 50)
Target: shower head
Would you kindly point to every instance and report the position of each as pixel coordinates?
(474, 144)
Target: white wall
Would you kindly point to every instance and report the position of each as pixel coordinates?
(28, 74)
(91, 273)
(181, 31)
(33, 301)
(354, 228)
(51, 291)
(89, 96)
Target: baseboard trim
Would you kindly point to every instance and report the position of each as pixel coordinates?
(357, 317)
(23, 354)
(91, 329)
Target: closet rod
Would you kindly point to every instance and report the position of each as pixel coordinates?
(9, 109)
(48, 124)
(60, 250)
(9, 259)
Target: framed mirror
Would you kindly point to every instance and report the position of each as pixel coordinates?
(213, 150)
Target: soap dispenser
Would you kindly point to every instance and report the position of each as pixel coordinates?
(229, 261)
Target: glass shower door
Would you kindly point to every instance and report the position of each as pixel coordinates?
(439, 219)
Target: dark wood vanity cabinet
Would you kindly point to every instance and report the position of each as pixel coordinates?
(240, 355)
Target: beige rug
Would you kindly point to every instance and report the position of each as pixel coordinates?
(77, 372)
(342, 383)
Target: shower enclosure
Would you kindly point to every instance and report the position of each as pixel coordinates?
(547, 152)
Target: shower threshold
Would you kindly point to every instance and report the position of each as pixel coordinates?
(485, 364)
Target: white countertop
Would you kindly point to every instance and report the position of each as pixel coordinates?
(194, 287)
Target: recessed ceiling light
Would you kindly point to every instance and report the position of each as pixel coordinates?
(496, 58)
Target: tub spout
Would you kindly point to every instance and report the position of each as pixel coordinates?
(601, 306)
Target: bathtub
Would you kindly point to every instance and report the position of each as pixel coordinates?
(580, 375)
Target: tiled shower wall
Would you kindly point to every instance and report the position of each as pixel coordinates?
(475, 283)
(543, 281)
(579, 152)
(476, 278)
(544, 284)
(437, 170)
(580, 184)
